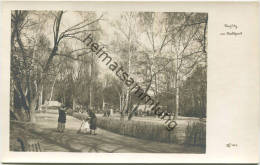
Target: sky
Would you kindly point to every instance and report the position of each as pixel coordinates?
(71, 18)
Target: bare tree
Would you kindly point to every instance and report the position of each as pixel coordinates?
(19, 22)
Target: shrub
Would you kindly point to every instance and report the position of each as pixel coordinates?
(195, 134)
(139, 129)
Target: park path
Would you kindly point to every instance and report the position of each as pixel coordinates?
(104, 141)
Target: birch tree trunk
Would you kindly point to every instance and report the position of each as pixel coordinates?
(40, 99)
(123, 105)
(74, 103)
(129, 72)
(91, 79)
(120, 102)
(11, 94)
(177, 100)
(103, 104)
(52, 88)
(177, 89)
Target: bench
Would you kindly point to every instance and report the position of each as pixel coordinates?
(30, 145)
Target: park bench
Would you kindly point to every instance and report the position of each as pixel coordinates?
(22, 139)
(30, 145)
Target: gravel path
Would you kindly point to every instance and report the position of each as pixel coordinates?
(104, 141)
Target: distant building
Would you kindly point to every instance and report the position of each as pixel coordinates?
(52, 104)
(143, 108)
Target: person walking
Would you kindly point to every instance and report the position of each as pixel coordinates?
(62, 118)
(93, 122)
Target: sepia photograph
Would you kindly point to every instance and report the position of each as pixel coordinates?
(108, 81)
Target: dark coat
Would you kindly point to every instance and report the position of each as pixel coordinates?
(62, 116)
(93, 121)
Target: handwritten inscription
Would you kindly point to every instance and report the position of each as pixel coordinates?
(231, 26)
(229, 145)
(231, 30)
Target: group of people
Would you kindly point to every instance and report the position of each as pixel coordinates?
(108, 112)
(88, 124)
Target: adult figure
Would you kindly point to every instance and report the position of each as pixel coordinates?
(62, 118)
(93, 122)
(108, 112)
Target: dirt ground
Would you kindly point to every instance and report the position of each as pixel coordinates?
(104, 141)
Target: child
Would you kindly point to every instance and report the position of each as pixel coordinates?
(84, 127)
